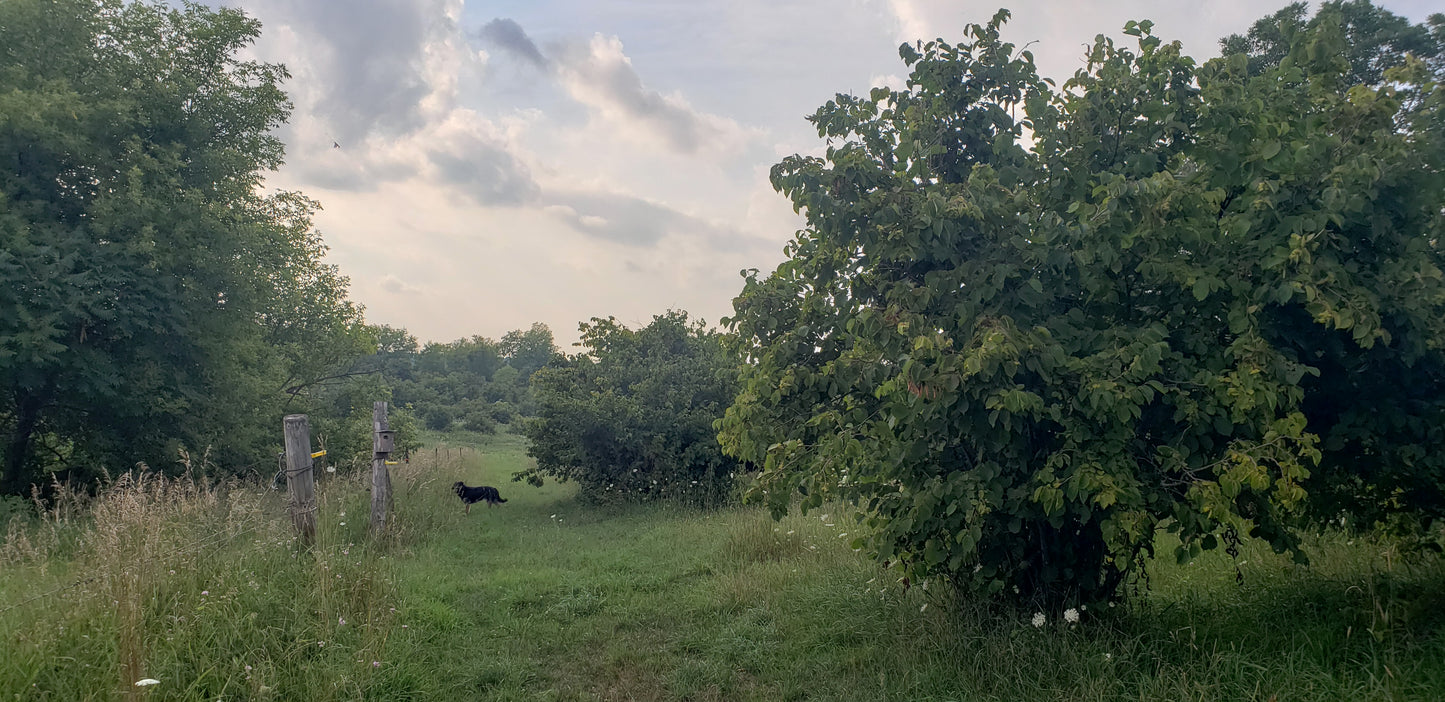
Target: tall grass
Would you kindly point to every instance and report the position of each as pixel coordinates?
(203, 586)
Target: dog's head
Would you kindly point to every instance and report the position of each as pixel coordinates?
(458, 487)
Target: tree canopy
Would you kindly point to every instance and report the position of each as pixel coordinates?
(1025, 328)
(151, 295)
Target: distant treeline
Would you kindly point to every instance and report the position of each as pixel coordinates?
(474, 384)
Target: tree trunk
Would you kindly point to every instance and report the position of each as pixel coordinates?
(17, 454)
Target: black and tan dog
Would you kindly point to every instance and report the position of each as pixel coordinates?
(471, 495)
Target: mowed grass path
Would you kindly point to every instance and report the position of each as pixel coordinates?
(546, 599)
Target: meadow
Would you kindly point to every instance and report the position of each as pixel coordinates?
(203, 588)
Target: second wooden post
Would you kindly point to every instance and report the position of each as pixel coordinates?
(300, 483)
(382, 444)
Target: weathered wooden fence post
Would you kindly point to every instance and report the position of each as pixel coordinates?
(382, 442)
(300, 482)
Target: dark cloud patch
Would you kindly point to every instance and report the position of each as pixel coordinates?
(487, 173)
(611, 78)
(633, 221)
(366, 65)
(600, 74)
(509, 36)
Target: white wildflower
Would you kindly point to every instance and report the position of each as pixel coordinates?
(1071, 615)
(1039, 620)
(147, 682)
(924, 607)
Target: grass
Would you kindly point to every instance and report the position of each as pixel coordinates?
(544, 598)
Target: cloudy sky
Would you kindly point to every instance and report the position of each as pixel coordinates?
(485, 165)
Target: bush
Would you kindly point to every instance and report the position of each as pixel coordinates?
(480, 421)
(1020, 360)
(437, 418)
(503, 412)
(632, 417)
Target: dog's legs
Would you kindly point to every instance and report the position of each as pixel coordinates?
(469, 508)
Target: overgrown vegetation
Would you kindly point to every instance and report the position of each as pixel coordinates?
(549, 598)
(203, 587)
(1196, 298)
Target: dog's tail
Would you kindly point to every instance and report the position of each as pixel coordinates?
(501, 499)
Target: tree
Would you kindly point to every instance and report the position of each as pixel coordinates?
(1021, 362)
(528, 350)
(631, 418)
(149, 295)
(1376, 39)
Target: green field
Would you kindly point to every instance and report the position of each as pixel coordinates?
(544, 598)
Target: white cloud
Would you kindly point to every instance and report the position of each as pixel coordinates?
(912, 24)
(397, 286)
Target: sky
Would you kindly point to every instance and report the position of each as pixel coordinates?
(486, 165)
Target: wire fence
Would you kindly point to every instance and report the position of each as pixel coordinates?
(208, 542)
